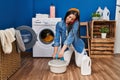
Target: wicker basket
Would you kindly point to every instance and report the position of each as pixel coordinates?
(9, 63)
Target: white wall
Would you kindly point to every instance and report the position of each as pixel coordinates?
(117, 18)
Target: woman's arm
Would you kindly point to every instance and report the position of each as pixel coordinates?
(70, 38)
(72, 34)
(55, 51)
(62, 51)
(56, 40)
(57, 35)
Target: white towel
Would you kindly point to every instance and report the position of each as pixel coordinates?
(7, 37)
(20, 43)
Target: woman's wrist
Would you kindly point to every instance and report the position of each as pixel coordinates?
(54, 55)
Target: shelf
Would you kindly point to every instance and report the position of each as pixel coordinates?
(102, 47)
(85, 37)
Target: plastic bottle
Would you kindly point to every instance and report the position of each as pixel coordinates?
(52, 11)
(106, 13)
(86, 65)
(100, 11)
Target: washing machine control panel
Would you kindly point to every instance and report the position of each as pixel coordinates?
(45, 21)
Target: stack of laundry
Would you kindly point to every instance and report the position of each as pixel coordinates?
(39, 15)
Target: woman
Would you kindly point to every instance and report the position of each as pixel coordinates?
(67, 34)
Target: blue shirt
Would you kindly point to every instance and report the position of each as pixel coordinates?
(71, 38)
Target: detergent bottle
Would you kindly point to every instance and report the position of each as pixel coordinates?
(86, 65)
(100, 11)
(106, 13)
(52, 11)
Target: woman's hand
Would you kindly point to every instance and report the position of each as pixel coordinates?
(54, 55)
(55, 51)
(61, 53)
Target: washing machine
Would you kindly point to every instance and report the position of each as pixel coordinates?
(45, 31)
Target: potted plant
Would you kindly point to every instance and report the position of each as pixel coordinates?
(95, 16)
(104, 30)
(94, 35)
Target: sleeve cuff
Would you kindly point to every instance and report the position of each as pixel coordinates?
(55, 44)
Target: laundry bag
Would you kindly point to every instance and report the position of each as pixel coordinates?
(86, 65)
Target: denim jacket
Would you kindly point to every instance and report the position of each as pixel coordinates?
(72, 37)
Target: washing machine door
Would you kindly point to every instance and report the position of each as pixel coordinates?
(28, 35)
(46, 36)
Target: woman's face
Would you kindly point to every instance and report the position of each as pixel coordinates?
(70, 19)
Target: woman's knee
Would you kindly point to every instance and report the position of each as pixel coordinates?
(67, 56)
(78, 63)
(78, 59)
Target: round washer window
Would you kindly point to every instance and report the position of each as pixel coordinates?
(46, 36)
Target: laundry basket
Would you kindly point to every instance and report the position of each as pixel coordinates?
(9, 63)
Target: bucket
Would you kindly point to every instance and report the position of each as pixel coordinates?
(57, 66)
(86, 65)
